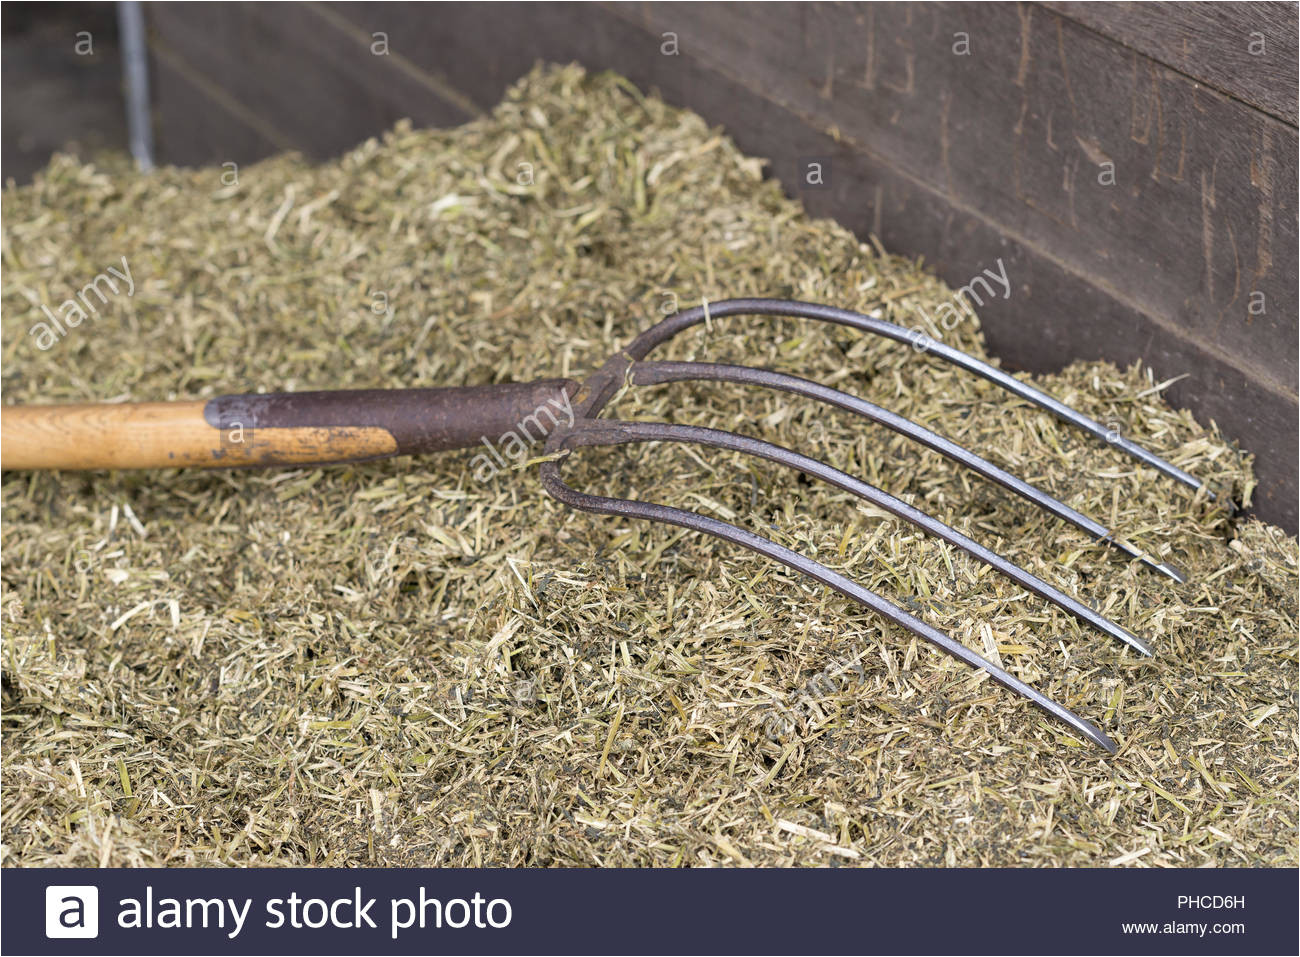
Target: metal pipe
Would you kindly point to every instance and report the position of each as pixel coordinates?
(135, 82)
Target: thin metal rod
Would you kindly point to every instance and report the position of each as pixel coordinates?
(652, 337)
(654, 512)
(656, 373)
(615, 432)
(135, 77)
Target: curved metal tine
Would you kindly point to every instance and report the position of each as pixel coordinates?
(641, 346)
(656, 373)
(654, 512)
(616, 432)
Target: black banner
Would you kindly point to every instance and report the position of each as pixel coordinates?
(650, 912)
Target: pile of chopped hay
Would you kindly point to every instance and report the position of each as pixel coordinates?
(393, 664)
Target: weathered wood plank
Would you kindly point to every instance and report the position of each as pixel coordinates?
(53, 99)
(1246, 50)
(195, 124)
(481, 48)
(319, 86)
(1176, 198)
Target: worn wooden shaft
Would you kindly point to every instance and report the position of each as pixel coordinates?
(299, 428)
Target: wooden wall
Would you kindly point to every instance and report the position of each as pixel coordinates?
(58, 91)
(1133, 165)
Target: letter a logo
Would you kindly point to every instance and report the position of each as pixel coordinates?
(71, 910)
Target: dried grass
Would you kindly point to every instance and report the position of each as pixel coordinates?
(390, 664)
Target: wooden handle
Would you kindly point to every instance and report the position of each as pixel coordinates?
(302, 428)
(161, 434)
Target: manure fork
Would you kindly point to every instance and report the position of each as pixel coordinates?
(322, 428)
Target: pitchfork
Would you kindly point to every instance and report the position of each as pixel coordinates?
(322, 428)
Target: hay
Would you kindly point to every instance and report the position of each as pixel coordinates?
(391, 664)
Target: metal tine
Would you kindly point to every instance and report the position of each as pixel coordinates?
(640, 347)
(654, 512)
(617, 432)
(657, 373)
